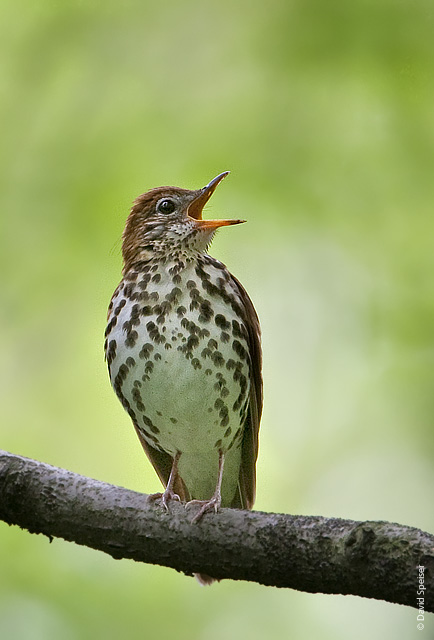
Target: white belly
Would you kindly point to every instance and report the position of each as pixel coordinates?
(183, 371)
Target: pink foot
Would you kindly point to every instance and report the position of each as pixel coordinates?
(206, 505)
(165, 497)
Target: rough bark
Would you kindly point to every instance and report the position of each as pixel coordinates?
(309, 553)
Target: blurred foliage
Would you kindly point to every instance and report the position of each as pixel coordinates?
(323, 113)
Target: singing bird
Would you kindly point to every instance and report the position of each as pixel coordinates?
(183, 352)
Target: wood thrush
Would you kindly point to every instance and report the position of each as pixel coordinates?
(183, 351)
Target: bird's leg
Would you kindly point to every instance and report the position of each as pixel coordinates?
(169, 494)
(216, 500)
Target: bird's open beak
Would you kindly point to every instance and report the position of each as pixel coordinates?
(196, 207)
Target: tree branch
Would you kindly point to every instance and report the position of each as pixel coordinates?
(309, 553)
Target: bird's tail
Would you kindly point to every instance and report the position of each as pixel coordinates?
(204, 580)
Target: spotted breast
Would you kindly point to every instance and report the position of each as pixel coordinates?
(182, 346)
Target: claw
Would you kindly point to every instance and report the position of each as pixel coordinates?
(168, 494)
(206, 505)
(216, 501)
(165, 497)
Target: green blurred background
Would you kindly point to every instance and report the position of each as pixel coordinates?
(323, 112)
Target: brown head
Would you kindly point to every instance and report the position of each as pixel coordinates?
(169, 219)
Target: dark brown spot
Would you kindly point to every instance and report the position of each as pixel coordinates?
(149, 436)
(174, 295)
(192, 342)
(146, 311)
(221, 321)
(110, 325)
(223, 413)
(111, 351)
(224, 421)
(239, 350)
(196, 363)
(131, 339)
(210, 288)
(243, 383)
(148, 422)
(218, 359)
(120, 306)
(236, 329)
(177, 268)
(123, 371)
(206, 312)
(134, 317)
(203, 275)
(144, 281)
(126, 326)
(128, 290)
(145, 351)
(149, 366)
(126, 405)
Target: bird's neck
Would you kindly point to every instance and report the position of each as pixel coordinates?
(169, 248)
(174, 263)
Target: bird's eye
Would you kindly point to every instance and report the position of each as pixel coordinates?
(166, 206)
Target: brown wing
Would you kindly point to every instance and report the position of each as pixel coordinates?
(162, 463)
(245, 496)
